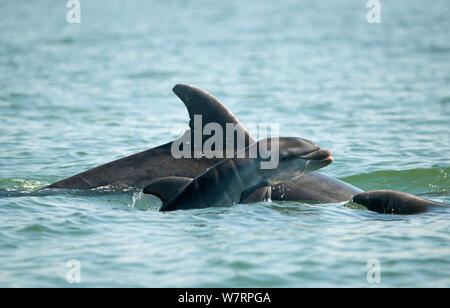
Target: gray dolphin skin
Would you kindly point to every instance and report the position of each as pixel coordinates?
(167, 188)
(139, 170)
(314, 186)
(225, 183)
(393, 202)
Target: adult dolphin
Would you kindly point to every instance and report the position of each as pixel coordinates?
(139, 169)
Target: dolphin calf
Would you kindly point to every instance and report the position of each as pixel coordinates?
(226, 183)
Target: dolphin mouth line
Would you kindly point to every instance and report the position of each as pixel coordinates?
(319, 155)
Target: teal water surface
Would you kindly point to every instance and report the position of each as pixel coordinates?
(74, 96)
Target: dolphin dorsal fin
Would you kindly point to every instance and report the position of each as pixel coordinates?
(199, 102)
(167, 188)
(139, 169)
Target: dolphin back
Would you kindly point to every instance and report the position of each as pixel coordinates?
(393, 202)
(140, 169)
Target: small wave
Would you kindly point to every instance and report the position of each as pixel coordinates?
(36, 228)
(62, 41)
(438, 49)
(414, 181)
(151, 75)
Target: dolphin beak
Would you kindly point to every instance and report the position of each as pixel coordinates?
(317, 159)
(317, 155)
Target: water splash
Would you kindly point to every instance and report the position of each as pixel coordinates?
(145, 202)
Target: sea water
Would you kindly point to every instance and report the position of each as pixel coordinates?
(76, 95)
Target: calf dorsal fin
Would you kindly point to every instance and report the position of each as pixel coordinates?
(167, 188)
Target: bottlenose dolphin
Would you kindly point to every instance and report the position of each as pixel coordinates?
(140, 169)
(226, 183)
